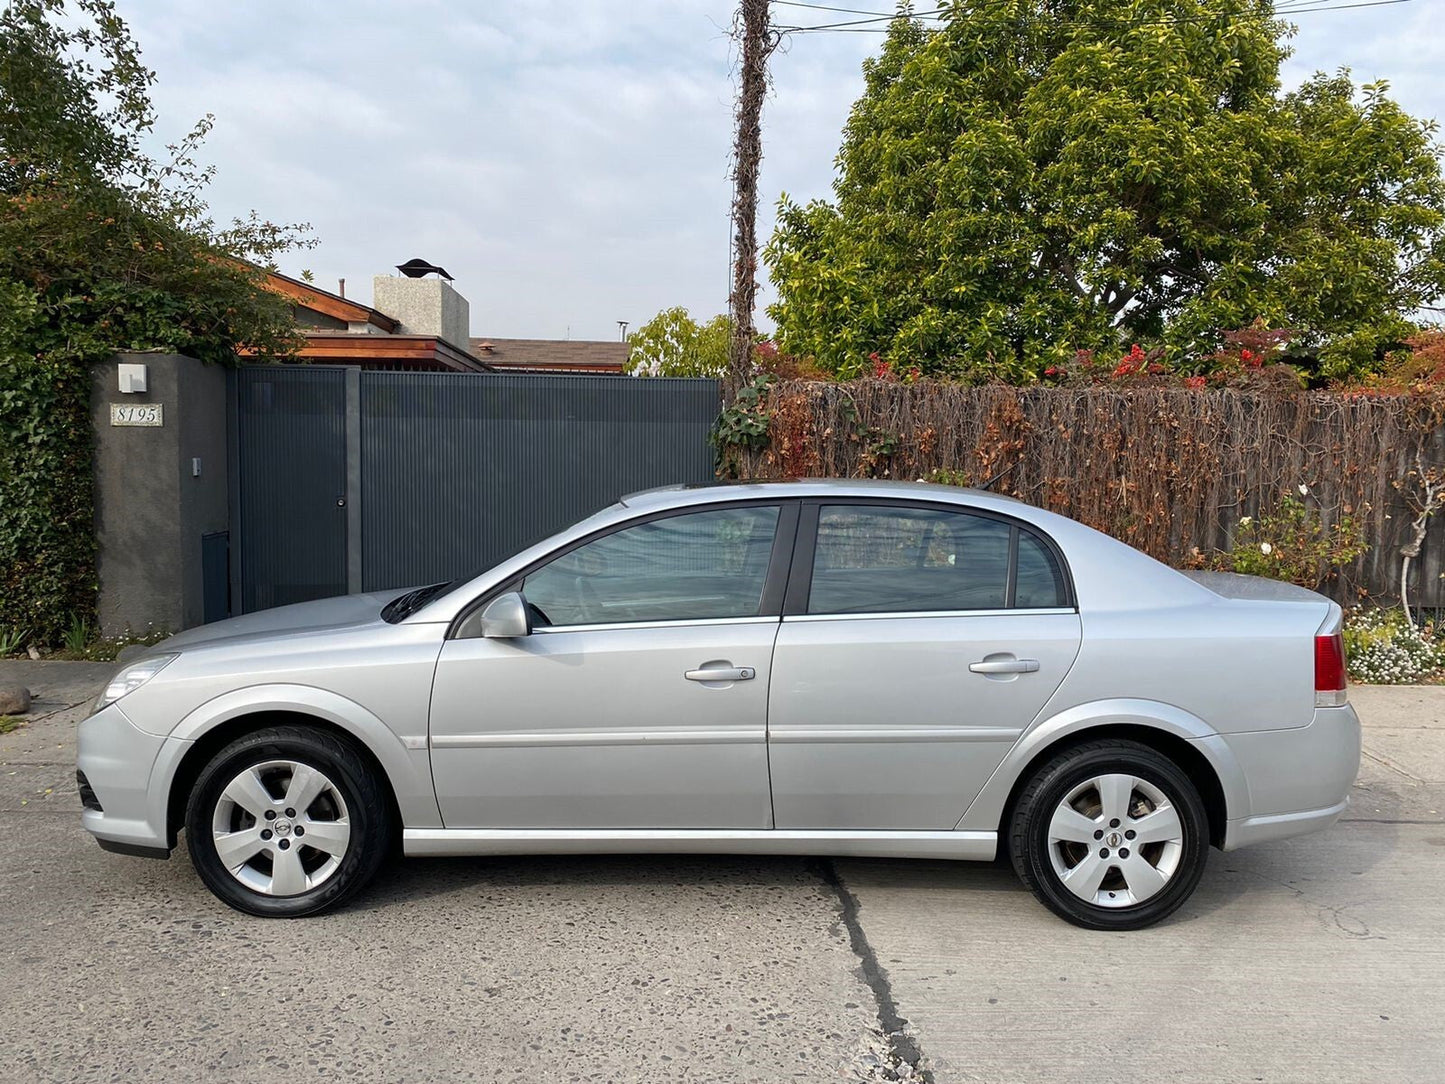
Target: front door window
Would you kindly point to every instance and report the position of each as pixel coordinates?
(702, 566)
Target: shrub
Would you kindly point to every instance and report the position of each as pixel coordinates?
(1292, 543)
(103, 249)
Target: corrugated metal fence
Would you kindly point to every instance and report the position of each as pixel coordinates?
(352, 480)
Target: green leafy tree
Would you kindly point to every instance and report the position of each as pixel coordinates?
(102, 249)
(1038, 176)
(672, 343)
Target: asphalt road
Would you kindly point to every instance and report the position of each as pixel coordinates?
(1317, 959)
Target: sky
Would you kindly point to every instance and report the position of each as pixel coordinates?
(567, 161)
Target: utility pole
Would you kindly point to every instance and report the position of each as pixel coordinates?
(758, 43)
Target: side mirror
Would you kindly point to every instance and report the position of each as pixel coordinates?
(505, 617)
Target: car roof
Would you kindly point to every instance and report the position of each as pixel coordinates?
(1109, 571)
(677, 496)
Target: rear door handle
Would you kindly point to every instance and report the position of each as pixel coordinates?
(730, 673)
(1005, 666)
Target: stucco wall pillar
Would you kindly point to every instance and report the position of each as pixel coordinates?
(158, 490)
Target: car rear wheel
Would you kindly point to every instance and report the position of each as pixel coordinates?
(1110, 835)
(287, 821)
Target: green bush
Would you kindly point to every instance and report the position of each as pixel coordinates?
(47, 531)
(103, 249)
(1292, 542)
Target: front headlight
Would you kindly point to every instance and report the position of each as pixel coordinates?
(132, 678)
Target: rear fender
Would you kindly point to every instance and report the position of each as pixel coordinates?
(987, 809)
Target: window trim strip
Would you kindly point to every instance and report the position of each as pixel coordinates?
(893, 615)
(680, 623)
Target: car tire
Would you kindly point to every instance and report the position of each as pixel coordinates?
(1079, 839)
(288, 821)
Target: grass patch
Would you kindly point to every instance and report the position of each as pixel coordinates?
(104, 650)
(10, 722)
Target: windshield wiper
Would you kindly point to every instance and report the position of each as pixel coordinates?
(399, 609)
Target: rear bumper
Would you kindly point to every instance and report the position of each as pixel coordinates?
(1299, 779)
(1243, 832)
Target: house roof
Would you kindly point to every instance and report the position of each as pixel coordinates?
(551, 355)
(333, 305)
(388, 352)
(383, 348)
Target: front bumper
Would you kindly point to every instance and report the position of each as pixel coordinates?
(1299, 779)
(118, 760)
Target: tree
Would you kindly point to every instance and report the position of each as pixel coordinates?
(756, 43)
(96, 227)
(102, 249)
(672, 343)
(1040, 176)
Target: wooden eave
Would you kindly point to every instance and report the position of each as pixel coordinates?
(380, 349)
(333, 305)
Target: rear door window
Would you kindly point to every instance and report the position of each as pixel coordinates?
(899, 559)
(883, 559)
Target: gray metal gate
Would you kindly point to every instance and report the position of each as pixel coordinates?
(353, 480)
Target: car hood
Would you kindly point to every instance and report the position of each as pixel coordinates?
(301, 617)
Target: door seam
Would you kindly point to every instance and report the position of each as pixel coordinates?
(768, 724)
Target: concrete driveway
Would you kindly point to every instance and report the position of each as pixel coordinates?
(1312, 960)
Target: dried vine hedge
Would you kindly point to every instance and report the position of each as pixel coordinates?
(1168, 470)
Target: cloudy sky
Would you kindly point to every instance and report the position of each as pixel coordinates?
(565, 160)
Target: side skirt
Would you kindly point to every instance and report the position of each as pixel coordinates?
(966, 846)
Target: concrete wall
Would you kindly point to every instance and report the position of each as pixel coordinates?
(424, 307)
(150, 509)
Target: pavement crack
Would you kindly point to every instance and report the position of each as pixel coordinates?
(1386, 762)
(902, 1046)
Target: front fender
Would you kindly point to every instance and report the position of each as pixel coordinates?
(986, 811)
(406, 761)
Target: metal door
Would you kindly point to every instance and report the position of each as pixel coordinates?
(291, 484)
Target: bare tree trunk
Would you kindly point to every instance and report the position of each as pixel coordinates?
(1404, 585)
(1434, 490)
(757, 45)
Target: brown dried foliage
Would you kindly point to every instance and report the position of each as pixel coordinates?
(1168, 470)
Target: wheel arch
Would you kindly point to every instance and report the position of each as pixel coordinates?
(1186, 740)
(404, 771)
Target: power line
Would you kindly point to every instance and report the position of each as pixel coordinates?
(825, 7)
(855, 26)
(860, 22)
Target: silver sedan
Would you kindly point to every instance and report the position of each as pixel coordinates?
(845, 668)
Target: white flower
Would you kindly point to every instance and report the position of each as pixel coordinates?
(1265, 548)
(1245, 521)
(1304, 490)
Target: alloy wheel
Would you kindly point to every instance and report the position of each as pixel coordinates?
(281, 828)
(1115, 840)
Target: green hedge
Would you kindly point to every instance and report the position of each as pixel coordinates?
(47, 528)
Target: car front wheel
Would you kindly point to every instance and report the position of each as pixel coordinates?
(1110, 835)
(287, 821)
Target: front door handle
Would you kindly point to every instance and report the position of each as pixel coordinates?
(729, 673)
(1005, 666)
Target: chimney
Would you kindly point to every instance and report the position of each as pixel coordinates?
(424, 306)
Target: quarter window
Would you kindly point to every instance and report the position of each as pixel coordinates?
(692, 567)
(1040, 579)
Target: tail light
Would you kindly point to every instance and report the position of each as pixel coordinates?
(1330, 671)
